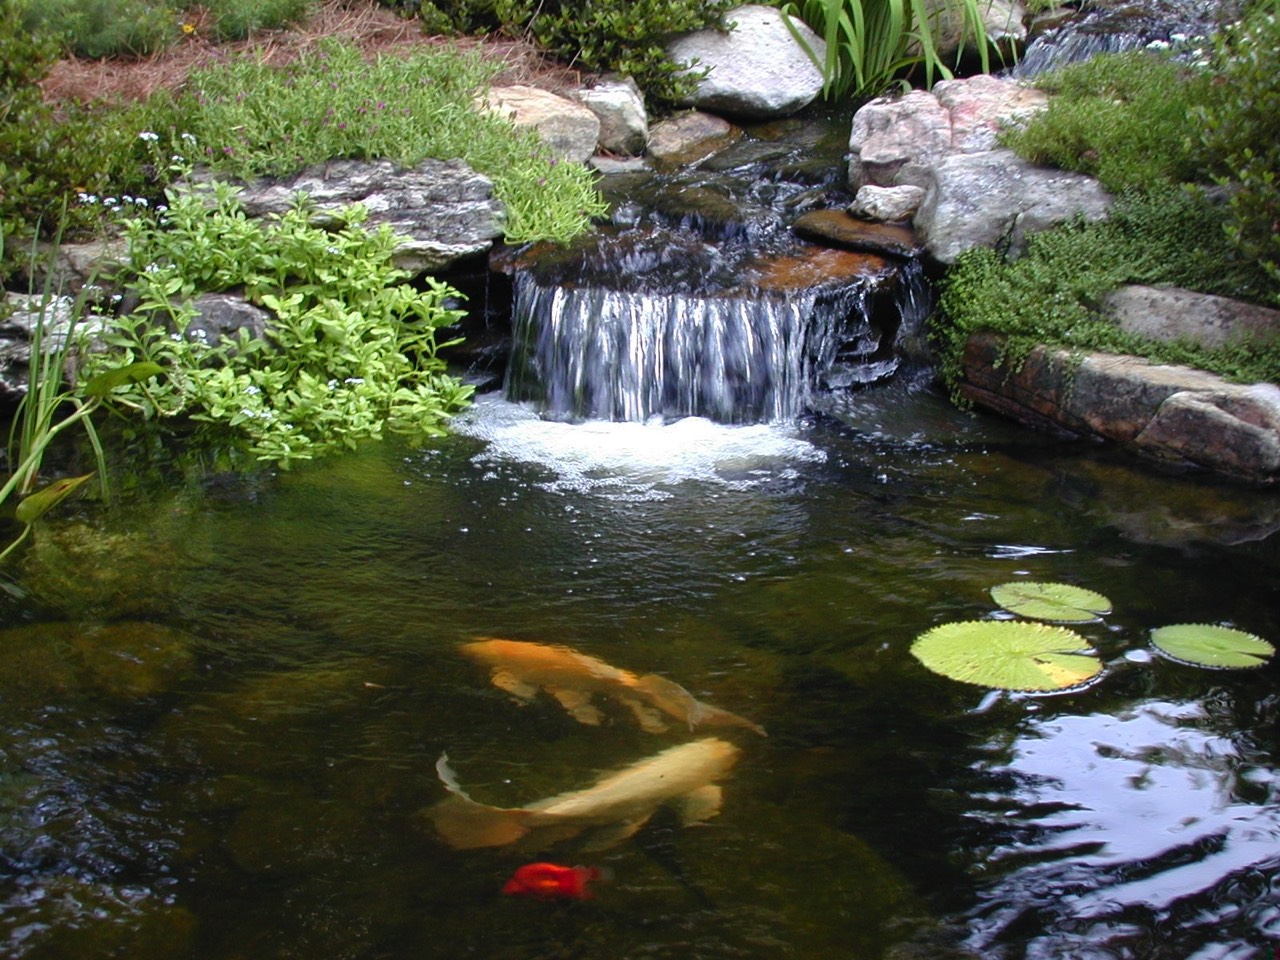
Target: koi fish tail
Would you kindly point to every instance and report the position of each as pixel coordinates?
(465, 824)
(674, 700)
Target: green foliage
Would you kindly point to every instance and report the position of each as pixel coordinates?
(1008, 655)
(350, 351)
(1240, 132)
(873, 44)
(1050, 295)
(241, 19)
(105, 28)
(1055, 602)
(1125, 119)
(252, 119)
(1212, 645)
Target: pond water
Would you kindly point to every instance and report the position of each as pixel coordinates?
(221, 707)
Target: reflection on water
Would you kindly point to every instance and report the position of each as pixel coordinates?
(220, 709)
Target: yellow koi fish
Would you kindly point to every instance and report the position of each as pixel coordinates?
(615, 806)
(574, 678)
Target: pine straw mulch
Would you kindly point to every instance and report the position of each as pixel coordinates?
(374, 29)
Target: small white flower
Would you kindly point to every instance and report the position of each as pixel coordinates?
(86, 198)
(354, 381)
(333, 384)
(189, 137)
(1158, 45)
(148, 136)
(251, 390)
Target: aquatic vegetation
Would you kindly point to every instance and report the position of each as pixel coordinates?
(1211, 645)
(573, 678)
(614, 807)
(1008, 655)
(349, 351)
(1056, 602)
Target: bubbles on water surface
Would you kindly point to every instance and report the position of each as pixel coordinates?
(636, 461)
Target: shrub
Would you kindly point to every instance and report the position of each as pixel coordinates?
(1051, 294)
(240, 19)
(252, 119)
(350, 351)
(1240, 133)
(105, 28)
(1126, 119)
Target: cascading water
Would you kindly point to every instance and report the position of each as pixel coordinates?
(1116, 28)
(676, 314)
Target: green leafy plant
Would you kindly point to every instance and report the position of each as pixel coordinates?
(96, 29)
(241, 19)
(1051, 294)
(252, 119)
(873, 44)
(350, 349)
(1056, 602)
(1008, 655)
(1240, 134)
(1127, 119)
(1211, 645)
(41, 416)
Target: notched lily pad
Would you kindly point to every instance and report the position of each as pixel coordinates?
(1056, 602)
(1008, 655)
(1211, 645)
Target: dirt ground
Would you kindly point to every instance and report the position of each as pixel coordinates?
(376, 30)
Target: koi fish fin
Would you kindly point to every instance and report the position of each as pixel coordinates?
(700, 804)
(674, 700)
(504, 679)
(649, 719)
(465, 824)
(614, 834)
(579, 705)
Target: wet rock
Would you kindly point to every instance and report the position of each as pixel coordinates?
(220, 316)
(689, 137)
(1171, 313)
(1173, 414)
(127, 661)
(619, 106)
(839, 228)
(886, 204)
(53, 316)
(445, 209)
(570, 129)
(757, 69)
(814, 266)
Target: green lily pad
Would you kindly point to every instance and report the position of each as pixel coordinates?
(1008, 654)
(1057, 602)
(1209, 645)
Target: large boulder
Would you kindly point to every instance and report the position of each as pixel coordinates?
(445, 209)
(976, 193)
(619, 106)
(570, 129)
(1173, 414)
(756, 67)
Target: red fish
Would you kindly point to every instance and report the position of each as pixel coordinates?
(550, 881)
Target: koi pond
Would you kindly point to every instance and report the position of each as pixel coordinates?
(223, 706)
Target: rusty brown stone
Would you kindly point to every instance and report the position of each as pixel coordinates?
(839, 228)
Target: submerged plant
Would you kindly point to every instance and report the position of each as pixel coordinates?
(1211, 645)
(1008, 655)
(1056, 602)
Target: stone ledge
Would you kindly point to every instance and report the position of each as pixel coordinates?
(1172, 414)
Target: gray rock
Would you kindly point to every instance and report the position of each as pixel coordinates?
(568, 128)
(690, 137)
(220, 316)
(1174, 414)
(1002, 20)
(1172, 313)
(619, 106)
(757, 69)
(887, 204)
(446, 210)
(895, 140)
(996, 199)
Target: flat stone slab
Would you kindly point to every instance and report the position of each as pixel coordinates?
(841, 229)
(1173, 414)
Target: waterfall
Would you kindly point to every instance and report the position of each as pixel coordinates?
(586, 351)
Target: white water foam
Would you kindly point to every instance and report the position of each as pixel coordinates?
(635, 461)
